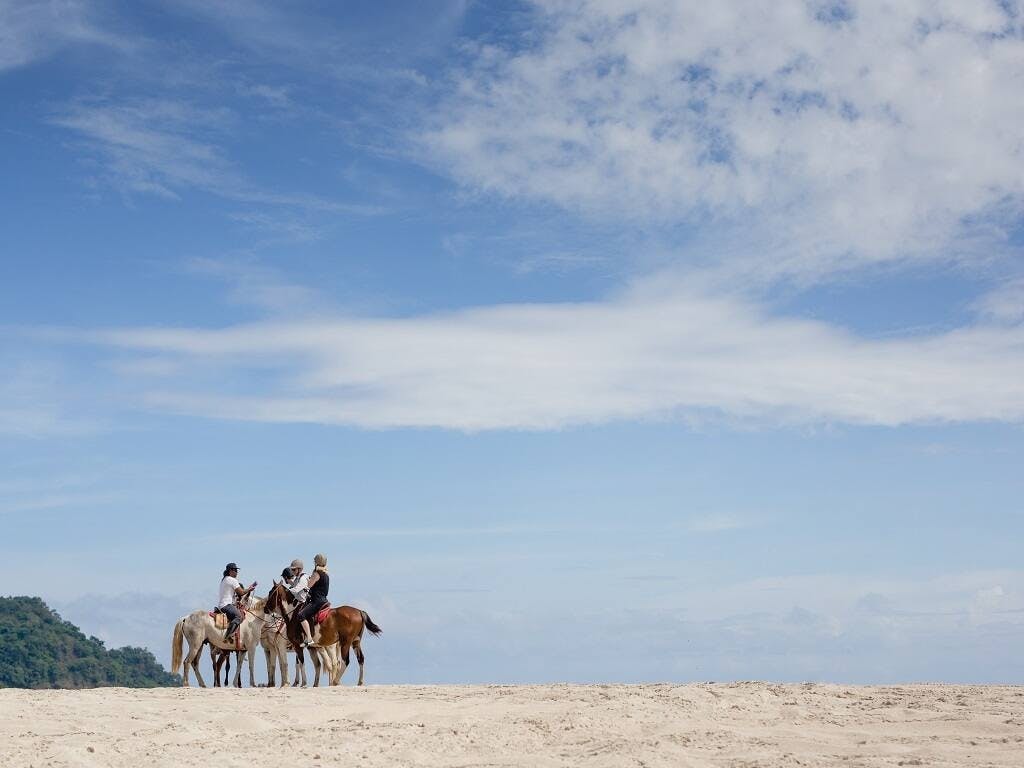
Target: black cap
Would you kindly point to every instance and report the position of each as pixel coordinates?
(230, 567)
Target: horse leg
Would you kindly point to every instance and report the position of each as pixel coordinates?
(184, 669)
(300, 666)
(213, 662)
(282, 660)
(340, 664)
(359, 657)
(270, 656)
(216, 666)
(252, 667)
(195, 649)
(327, 656)
(220, 661)
(331, 662)
(314, 655)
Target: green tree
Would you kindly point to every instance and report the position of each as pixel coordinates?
(38, 649)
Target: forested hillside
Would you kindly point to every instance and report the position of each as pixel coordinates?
(38, 649)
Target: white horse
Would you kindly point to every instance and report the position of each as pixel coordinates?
(199, 627)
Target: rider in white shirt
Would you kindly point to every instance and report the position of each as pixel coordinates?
(299, 583)
(230, 589)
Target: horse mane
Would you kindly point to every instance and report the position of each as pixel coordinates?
(256, 603)
(276, 592)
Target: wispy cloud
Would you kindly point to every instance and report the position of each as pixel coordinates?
(31, 30)
(168, 147)
(157, 146)
(1005, 304)
(655, 352)
(21, 493)
(260, 286)
(410, 532)
(33, 401)
(53, 501)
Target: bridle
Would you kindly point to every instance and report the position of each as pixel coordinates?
(286, 613)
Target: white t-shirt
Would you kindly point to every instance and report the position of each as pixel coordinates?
(228, 585)
(300, 587)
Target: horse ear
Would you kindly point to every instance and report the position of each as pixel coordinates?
(276, 582)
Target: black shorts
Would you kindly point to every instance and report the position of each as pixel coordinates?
(309, 610)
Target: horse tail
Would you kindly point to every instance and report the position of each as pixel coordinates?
(368, 623)
(177, 641)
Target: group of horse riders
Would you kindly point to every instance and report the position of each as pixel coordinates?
(309, 590)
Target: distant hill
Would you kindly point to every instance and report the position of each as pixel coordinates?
(38, 649)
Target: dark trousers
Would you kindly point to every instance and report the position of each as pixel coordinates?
(234, 619)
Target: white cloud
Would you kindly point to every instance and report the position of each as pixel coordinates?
(156, 146)
(647, 354)
(31, 30)
(819, 135)
(23, 490)
(34, 403)
(260, 286)
(1005, 304)
(168, 147)
(57, 501)
(406, 532)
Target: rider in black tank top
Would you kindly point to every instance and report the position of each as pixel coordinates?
(320, 584)
(318, 593)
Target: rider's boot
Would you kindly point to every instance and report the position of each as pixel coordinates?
(232, 626)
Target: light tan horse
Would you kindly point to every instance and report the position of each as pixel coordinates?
(279, 646)
(274, 639)
(199, 628)
(341, 632)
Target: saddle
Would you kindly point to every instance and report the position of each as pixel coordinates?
(220, 619)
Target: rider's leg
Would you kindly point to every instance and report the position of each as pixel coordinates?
(305, 631)
(235, 619)
(306, 612)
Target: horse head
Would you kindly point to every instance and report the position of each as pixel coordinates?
(276, 599)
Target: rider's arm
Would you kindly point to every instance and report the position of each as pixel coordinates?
(301, 584)
(243, 592)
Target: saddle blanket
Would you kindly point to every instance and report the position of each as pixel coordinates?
(321, 615)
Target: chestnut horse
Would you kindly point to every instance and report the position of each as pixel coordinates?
(340, 632)
(221, 659)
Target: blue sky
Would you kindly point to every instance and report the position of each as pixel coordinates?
(593, 341)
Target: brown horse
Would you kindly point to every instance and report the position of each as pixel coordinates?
(221, 659)
(341, 632)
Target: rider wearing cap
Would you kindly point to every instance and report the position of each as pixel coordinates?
(298, 582)
(230, 589)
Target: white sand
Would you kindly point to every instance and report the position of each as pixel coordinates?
(743, 724)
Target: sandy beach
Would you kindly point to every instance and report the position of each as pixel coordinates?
(741, 724)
